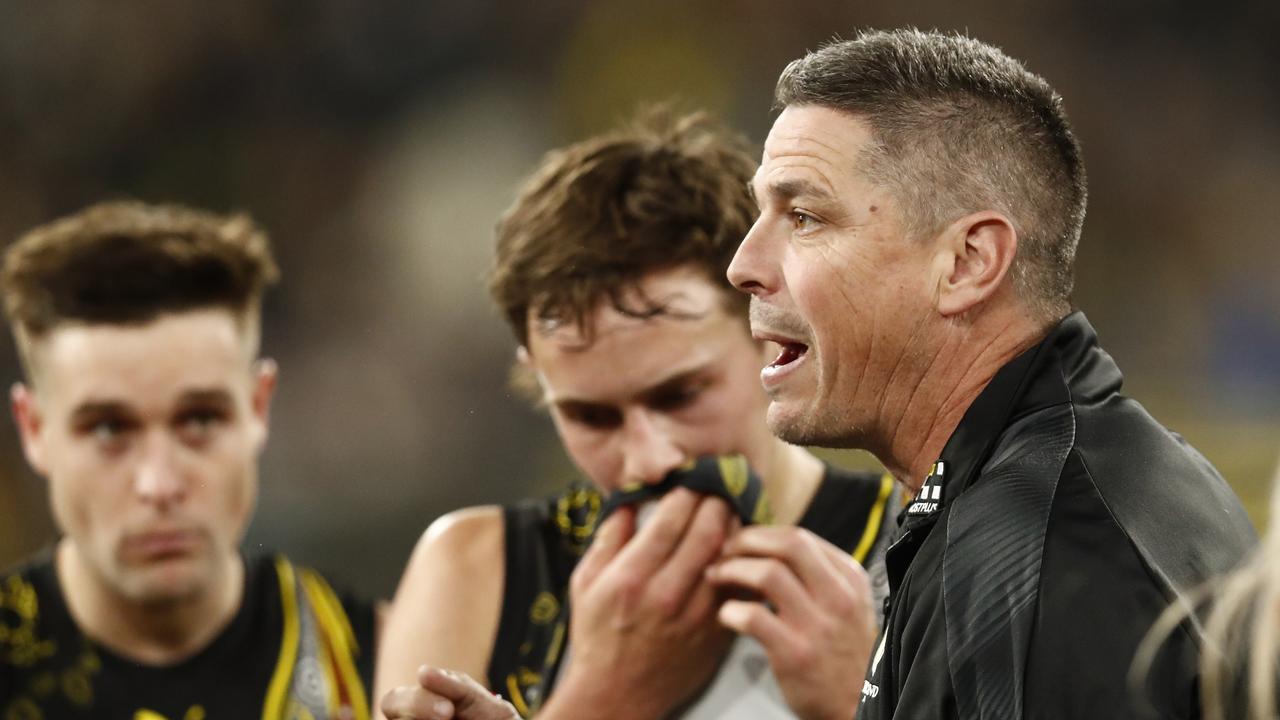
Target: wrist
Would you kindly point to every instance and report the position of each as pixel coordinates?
(586, 699)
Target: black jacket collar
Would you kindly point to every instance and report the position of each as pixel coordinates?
(1065, 365)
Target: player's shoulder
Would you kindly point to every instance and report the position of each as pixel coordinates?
(38, 565)
(461, 540)
(29, 591)
(37, 633)
(274, 574)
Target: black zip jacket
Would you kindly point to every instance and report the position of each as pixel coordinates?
(1060, 522)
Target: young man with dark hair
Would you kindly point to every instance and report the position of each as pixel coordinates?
(610, 270)
(921, 198)
(145, 408)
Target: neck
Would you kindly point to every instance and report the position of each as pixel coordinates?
(153, 633)
(970, 354)
(790, 480)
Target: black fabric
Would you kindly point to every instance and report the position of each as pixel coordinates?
(60, 673)
(1070, 520)
(729, 478)
(545, 538)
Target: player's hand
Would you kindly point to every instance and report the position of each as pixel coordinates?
(445, 695)
(820, 632)
(645, 634)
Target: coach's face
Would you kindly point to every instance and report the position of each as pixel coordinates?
(149, 437)
(833, 279)
(647, 394)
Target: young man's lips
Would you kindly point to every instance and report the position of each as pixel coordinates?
(161, 543)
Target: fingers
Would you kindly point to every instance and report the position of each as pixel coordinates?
(470, 699)
(821, 567)
(782, 643)
(813, 585)
(768, 579)
(658, 539)
(448, 684)
(415, 703)
(677, 582)
(613, 534)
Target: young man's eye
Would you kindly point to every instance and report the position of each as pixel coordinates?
(196, 425)
(107, 430)
(675, 399)
(594, 417)
(108, 433)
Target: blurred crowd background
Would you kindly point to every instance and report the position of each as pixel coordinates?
(378, 141)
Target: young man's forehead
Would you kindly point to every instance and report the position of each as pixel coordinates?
(211, 324)
(609, 325)
(191, 348)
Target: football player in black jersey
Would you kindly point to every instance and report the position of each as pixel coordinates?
(145, 408)
(610, 270)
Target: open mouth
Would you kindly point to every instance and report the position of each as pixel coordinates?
(791, 353)
(790, 356)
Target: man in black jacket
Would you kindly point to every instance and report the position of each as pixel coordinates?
(921, 200)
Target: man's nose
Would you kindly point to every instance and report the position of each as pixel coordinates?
(159, 479)
(750, 270)
(650, 451)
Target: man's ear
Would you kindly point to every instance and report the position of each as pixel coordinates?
(26, 415)
(265, 375)
(974, 258)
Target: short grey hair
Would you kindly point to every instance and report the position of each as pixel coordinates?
(960, 127)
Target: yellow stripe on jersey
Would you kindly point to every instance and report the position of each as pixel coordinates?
(513, 689)
(337, 627)
(874, 520)
(278, 690)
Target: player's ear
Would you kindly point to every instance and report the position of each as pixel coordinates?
(26, 415)
(265, 376)
(975, 254)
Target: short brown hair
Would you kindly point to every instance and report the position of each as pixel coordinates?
(128, 263)
(960, 127)
(599, 215)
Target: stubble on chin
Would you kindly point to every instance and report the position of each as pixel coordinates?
(815, 427)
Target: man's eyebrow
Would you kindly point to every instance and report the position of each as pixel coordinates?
(664, 385)
(94, 410)
(798, 187)
(219, 396)
(674, 382)
(99, 408)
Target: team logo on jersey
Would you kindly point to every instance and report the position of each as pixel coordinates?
(929, 499)
(871, 690)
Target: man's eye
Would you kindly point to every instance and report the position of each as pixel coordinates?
(803, 221)
(596, 418)
(196, 425)
(106, 431)
(674, 399)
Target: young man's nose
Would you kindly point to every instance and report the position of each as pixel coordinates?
(650, 451)
(158, 478)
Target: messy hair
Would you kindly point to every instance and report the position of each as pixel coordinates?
(128, 263)
(596, 217)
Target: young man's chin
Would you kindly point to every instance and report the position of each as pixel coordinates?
(168, 581)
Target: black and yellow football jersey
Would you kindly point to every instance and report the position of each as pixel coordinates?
(294, 650)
